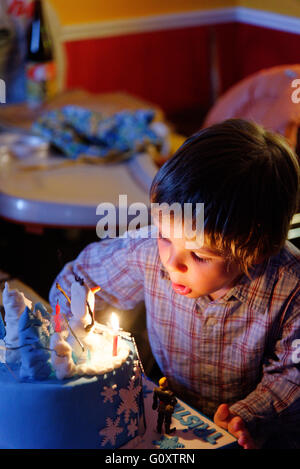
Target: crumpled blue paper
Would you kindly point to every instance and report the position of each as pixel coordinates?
(78, 131)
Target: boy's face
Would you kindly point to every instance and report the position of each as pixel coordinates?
(195, 272)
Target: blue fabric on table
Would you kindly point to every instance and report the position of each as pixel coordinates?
(78, 131)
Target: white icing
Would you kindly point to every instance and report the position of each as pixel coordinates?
(110, 432)
(132, 427)
(109, 393)
(61, 358)
(80, 294)
(2, 351)
(129, 399)
(14, 303)
(100, 359)
(81, 318)
(96, 358)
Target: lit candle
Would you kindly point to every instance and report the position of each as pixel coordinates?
(115, 326)
(57, 318)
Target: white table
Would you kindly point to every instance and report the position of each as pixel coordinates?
(66, 194)
(53, 191)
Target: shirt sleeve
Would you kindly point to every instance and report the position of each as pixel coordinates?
(113, 264)
(275, 403)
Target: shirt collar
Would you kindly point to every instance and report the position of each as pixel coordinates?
(255, 290)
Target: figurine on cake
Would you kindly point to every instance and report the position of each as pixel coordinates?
(27, 337)
(82, 319)
(164, 401)
(61, 358)
(75, 342)
(14, 303)
(34, 331)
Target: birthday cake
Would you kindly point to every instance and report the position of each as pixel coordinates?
(66, 382)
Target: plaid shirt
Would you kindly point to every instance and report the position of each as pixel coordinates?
(238, 349)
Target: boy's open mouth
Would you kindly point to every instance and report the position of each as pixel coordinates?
(181, 289)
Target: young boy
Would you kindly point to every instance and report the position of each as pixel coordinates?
(223, 315)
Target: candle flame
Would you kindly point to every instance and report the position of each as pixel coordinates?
(114, 320)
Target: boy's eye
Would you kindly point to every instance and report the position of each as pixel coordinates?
(199, 259)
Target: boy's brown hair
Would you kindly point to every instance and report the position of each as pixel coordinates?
(248, 179)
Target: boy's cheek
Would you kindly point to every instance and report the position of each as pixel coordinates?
(162, 250)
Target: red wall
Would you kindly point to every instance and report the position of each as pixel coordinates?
(258, 48)
(166, 67)
(171, 68)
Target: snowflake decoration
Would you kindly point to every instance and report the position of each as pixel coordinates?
(168, 443)
(109, 393)
(132, 427)
(128, 397)
(45, 323)
(111, 431)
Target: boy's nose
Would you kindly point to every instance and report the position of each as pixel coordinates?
(175, 264)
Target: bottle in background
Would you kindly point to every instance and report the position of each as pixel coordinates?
(19, 14)
(40, 67)
(7, 35)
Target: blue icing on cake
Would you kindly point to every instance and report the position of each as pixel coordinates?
(168, 443)
(146, 391)
(2, 328)
(207, 434)
(195, 423)
(82, 412)
(49, 402)
(103, 404)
